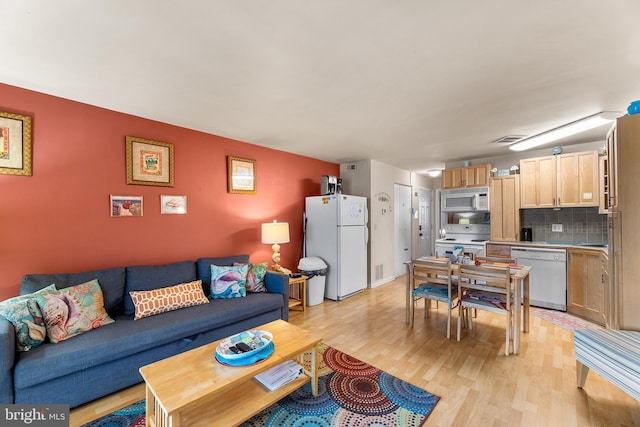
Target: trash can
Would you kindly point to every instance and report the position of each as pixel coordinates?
(315, 269)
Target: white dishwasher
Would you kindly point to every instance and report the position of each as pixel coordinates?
(548, 277)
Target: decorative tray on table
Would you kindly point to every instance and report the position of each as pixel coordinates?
(245, 348)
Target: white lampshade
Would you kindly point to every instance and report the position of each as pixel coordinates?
(275, 232)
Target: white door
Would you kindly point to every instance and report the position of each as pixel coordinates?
(402, 220)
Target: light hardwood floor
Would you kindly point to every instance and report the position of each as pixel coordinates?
(478, 385)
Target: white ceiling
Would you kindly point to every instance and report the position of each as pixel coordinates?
(412, 83)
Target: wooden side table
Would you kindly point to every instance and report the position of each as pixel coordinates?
(298, 292)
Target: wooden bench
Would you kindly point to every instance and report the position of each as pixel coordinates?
(613, 354)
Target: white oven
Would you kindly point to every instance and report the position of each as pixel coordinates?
(471, 237)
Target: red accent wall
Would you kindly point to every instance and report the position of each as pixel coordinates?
(58, 220)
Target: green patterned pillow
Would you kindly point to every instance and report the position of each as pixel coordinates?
(71, 311)
(228, 282)
(23, 311)
(255, 277)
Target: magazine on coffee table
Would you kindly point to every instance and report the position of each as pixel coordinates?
(280, 375)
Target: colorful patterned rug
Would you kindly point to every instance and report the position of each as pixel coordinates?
(350, 393)
(563, 320)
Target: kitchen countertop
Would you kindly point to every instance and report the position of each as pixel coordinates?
(552, 245)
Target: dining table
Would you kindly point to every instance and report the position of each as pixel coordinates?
(519, 278)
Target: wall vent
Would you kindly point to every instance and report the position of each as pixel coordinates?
(509, 139)
(379, 272)
(352, 167)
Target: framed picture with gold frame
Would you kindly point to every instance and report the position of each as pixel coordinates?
(241, 177)
(149, 162)
(15, 144)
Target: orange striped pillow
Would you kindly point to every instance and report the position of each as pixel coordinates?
(161, 300)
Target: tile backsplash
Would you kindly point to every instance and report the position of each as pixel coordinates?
(579, 225)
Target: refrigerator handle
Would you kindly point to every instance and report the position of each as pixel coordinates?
(366, 235)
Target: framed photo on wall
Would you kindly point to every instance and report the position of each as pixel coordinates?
(173, 204)
(149, 162)
(125, 206)
(241, 175)
(15, 144)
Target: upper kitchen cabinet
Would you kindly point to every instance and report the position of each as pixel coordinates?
(578, 179)
(505, 203)
(538, 182)
(467, 176)
(567, 180)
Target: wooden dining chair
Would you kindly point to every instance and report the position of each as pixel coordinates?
(434, 283)
(486, 287)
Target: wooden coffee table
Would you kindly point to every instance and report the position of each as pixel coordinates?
(194, 389)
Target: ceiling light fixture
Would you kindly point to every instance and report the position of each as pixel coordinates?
(434, 172)
(563, 131)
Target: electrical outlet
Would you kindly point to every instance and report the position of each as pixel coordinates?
(556, 228)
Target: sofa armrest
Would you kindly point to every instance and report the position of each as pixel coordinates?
(279, 283)
(7, 359)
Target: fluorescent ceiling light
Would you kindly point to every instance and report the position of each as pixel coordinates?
(434, 172)
(565, 130)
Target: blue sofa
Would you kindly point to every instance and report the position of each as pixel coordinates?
(104, 360)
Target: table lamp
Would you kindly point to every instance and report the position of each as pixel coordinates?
(275, 233)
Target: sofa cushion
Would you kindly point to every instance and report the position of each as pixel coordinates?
(71, 311)
(24, 313)
(126, 336)
(204, 267)
(228, 281)
(255, 277)
(111, 280)
(148, 277)
(156, 301)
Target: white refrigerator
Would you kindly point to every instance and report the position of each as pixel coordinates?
(336, 231)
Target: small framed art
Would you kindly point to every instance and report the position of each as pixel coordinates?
(125, 206)
(241, 175)
(173, 204)
(15, 144)
(149, 162)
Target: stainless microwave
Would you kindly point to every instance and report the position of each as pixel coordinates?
(474, 199)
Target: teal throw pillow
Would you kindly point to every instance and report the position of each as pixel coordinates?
(23, 311)
(255, 277)
(228, 282)
(71, 311)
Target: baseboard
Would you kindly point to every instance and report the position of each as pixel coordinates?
(380, 282)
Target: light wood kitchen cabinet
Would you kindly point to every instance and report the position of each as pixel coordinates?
(578, 179)
(505, 204)
(623, 152)
(566, 180)
(468, 176)
(496, 250)
(604, 184)
(586, 285)
(538, 182)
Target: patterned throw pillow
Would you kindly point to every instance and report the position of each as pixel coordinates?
(23, 311)
(255, 276)
(228, 282)
(71, 311)
(161, 300)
